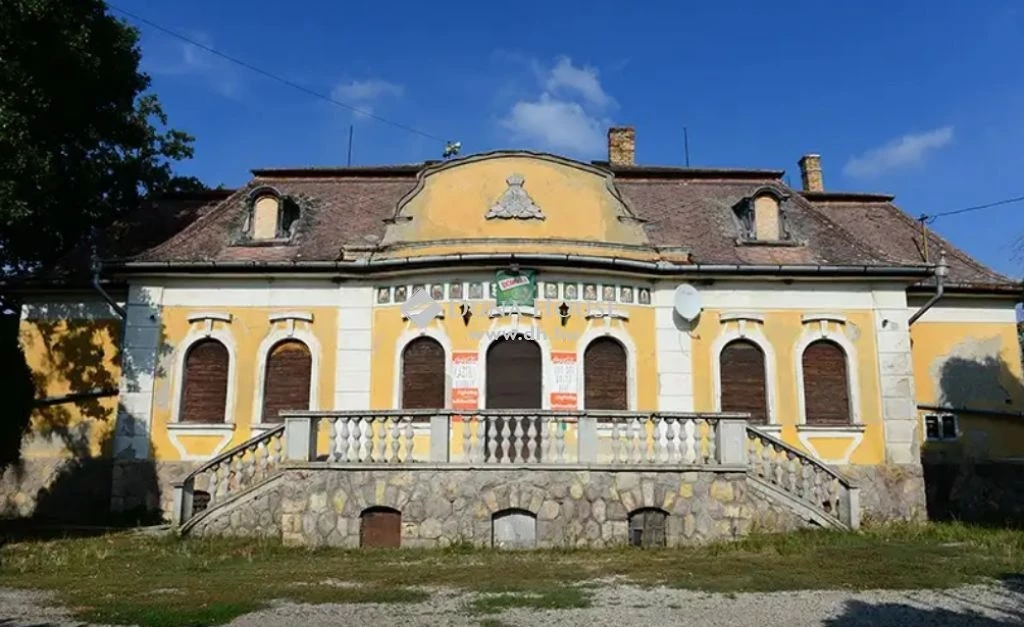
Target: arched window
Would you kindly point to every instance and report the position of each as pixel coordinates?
(605, 376)
(826, 384)
(423, 384)
(287, 378)
(743, 380)
(380, 527)
(204, 391)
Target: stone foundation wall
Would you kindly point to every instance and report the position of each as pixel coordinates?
(975, 491)
(142, 485)
(889, 493)
(322, 507)
(56, 490)
(90, 491)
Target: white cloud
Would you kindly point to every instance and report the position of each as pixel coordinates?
(363, 95)
(906, 151)
(565, 78)
(190, 59)
(558, 124)
(569, 114)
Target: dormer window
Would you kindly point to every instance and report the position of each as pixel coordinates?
(761, 216)
(271, 215)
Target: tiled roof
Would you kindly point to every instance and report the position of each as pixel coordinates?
(688, 209)
(875, 219)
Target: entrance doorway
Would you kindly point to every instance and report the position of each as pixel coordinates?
(514, 381)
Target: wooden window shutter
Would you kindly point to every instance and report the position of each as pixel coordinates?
(826, 386)
(514, 375)
(606, 381)
(287, 379)
(423, 384)
(743, 380)
(380, 527)
(205, 386)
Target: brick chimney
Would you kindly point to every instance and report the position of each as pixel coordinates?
(621, 145)
(810, 173)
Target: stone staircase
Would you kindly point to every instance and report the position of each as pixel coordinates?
(775, 471)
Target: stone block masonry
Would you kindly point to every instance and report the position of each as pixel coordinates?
(309, 506)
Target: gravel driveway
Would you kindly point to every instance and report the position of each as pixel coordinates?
(627, 605)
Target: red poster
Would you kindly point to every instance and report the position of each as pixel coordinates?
(564, 392)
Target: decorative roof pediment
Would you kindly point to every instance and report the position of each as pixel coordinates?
(515, 203)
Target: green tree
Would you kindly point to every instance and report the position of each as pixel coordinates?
(81, 142)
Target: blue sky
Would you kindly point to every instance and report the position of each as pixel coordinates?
(924, 100)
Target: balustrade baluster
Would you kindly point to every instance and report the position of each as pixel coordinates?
(532, 454)
(690, 448)
(506, 444)
(634, 441)
(709, 445)
(794, 468)
(766, 461)
(365, 439)
(616, 441)
(377, 437)
(517, 442)
(547, 442)
(339, 443)
(408, 438)
(394, 459)
(559, 441)
(492, 439)
(468, 448)
(777, 463)
(261, 449)
(671, 447)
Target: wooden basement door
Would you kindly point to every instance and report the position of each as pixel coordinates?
(380, 528)
(514, 375)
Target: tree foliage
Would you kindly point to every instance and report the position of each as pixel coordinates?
(81, 142)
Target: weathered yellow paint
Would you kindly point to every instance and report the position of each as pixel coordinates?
(783, 330)
(201, 445)
(65, 357)
(248, 328)
(973, 365)
(390, 328)
(830, 448)
(577, 201)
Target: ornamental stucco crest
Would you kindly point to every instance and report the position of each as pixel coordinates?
(515, 203)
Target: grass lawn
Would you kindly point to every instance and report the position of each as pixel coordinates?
(208, 582)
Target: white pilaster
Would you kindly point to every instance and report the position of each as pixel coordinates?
(355, 347)
(896, 377)
(674, 352)
(140, 354)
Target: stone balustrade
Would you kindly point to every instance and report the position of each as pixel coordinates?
(515, 437)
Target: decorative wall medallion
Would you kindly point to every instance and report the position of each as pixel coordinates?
(644, 296)
(455, 290)
(437, 291)
(476, 291)
(400, 294)
(589, 291)
(551, 291)
(383, 295)
(608, 293)
(515, 203)
(626, 294)
(571, 291)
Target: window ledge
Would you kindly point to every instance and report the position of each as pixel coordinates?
(826, 430)
(784, 243)
(211, 427)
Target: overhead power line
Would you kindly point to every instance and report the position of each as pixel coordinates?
(272, 76)
(1006, 201)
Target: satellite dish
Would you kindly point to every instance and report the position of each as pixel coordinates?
(687, 302)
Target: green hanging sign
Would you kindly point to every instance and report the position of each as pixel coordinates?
(515, 288)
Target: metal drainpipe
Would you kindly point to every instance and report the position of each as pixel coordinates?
(97, 266)
(941, 272)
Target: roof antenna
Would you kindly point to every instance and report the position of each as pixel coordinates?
(451, 149)
(686, 145)
(350, 145)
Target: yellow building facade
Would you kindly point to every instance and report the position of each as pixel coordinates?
(529, 281)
